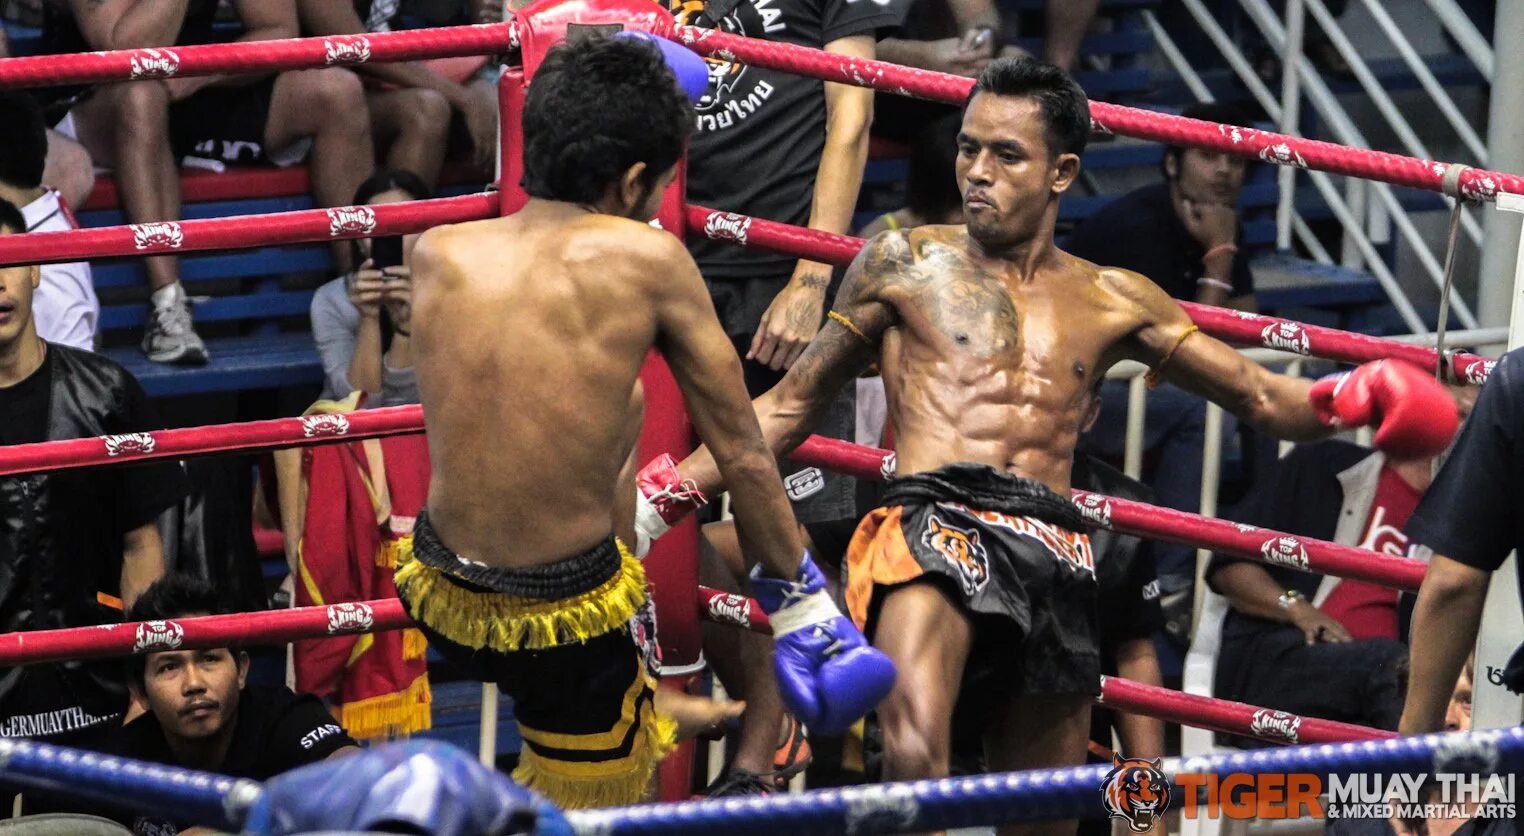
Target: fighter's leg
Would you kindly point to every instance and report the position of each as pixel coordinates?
(1034, 732)
(928, 637)
(741, 659)
(412, 125)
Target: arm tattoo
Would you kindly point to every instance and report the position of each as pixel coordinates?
(815, 281)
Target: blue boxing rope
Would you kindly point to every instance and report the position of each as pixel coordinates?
(186, 794)
(1042, 794)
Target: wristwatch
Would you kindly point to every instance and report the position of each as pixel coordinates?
(1289, 598)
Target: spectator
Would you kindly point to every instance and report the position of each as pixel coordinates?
(199, 712)
(143, 127)
(1313, 644)
(411, 102)
(781, 146)
(931, 187)
(64, 305)
(361, 320)
(69, 168)
(1182, 234)
(1466, 526)
(77, 544)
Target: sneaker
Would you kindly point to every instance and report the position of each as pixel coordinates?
(170, 338)
(793, 755)
(735, 782)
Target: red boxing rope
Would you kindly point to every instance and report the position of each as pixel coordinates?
(256, 56)
(245, 231)
(182, 443)
(1227, 716)
(1227, 325)
(238, 629)
(1471, 183)
(1123, 694)
(1301, 553)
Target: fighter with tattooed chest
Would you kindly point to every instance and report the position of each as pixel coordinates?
(975, 574)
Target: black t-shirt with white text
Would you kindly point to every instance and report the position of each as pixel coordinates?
(760, 132)
(276, 731)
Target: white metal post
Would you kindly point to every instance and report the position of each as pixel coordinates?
(1291, 109)
(1132, 451)
(1496, 296)
(1211, 474)
(486, 749)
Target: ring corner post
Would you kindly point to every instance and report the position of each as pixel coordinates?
(510, 102)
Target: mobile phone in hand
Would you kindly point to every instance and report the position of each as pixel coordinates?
(386, 251)
(976, 38)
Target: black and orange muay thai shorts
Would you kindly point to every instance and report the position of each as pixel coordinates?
(1012, 554)
(573, 643)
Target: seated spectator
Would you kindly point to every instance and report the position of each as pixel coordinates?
(1182, 233)
(1307, 643)
(76, 544)
(69, 168)
(64, 306)
(361, 320)
(412, 102)
(198, 712)
(143, 128)
(931, 186)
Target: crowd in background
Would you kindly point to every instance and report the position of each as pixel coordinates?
(84, 548)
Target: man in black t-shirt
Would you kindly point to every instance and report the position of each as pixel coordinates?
(1468, 522)
(780, 146)
(74, 544)
(199, 713)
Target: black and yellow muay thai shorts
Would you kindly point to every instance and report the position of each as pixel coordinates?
(572, 642)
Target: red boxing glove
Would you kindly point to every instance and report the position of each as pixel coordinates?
(1417, 416)
(662, 498)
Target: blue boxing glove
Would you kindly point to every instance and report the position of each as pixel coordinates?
(422, 786)
(827, 673)
(691, 71)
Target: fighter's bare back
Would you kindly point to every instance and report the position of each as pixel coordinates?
(530, 333)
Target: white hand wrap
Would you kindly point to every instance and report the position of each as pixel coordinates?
(648, 524)
(806, 612)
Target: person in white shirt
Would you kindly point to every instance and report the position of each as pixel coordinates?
(65, 306)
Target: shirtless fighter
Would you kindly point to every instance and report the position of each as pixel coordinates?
(975, 575)
(529, 334)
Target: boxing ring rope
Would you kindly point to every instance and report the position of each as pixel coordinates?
(1040, 794)
(1126, 516)
(1231, 326)
(1396, 169)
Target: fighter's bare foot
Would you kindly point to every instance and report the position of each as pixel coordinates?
(696, 715)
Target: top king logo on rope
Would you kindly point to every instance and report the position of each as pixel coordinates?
(361, 219)
(350, 618)
(349, 50)
(154, 63)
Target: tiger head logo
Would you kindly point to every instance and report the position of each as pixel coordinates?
(961, 548)
(723, 73)
(1136, 791)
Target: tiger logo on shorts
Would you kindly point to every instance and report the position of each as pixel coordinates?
(961, 548)
(1136, 791)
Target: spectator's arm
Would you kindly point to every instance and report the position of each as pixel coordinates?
(263, 20)
(326, 17)
(142, 560)
(1445, 621)
(1142, 737)
(129, 24)
(1251, 590)
(5, 43)
(336, 341)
